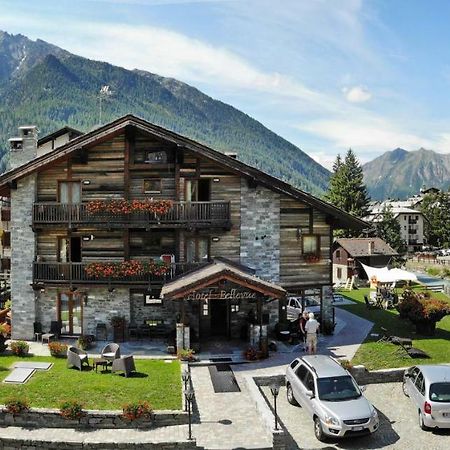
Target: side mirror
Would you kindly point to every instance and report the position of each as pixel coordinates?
(363, 388)
(310, 394)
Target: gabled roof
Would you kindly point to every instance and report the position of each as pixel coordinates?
(341, 218)
(360, 247)
(214, 273)
(56, 134)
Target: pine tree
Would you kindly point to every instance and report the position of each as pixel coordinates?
(346, 189)
(388, 229)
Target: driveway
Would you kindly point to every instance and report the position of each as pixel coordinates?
(398, 430)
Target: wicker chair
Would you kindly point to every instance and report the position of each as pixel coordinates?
(124, 364)
(111, 352)
(77, 358)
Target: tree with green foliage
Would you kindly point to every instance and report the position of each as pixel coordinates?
(436, 209)
(346, 189)
(388, 229)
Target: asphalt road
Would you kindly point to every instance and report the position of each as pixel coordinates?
(398, 430)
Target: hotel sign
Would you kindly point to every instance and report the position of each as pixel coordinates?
(233, 294)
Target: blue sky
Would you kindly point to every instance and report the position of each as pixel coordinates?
(326, 75)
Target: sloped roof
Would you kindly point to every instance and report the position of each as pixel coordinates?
(341, 218)
(62, 131)
(360, 247)
(215, 272)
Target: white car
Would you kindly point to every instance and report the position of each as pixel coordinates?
(294, 306)
(428, 386)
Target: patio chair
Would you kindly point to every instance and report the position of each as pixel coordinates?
(77, 358)
(413, 352)
(369, 303)
(111, 352)
(386, 337)
(124, 364)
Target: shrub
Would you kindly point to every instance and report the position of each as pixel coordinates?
(57, 349)
(3, 333)
(346, 364)
(19, 348)
(16, 405)
(410, 301)
(432, 310)
(186, 354)
(85, 341)
(71, 409)
(7, 304)
(136, 410)
(251, 354)
(3, 329)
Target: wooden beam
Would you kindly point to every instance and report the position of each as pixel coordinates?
(311, 221)
(129, 151)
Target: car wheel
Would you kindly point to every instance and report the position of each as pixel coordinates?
(318, 430)
(405, 391)
(290, 395)
(421, 424)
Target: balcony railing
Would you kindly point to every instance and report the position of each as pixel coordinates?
(75, 273)
(180, 215)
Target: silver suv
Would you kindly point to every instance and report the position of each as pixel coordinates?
(429, 389)
(330, 395)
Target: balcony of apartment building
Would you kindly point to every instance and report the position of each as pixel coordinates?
(412, 221)
(198, 214)
(111, 274)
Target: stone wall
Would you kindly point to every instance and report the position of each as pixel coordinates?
(22, 257)
(33, 444)
(51, 418)
(260, 231)
(99, 307)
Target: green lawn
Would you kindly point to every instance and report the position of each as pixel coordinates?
(157, 382)
(375, 355)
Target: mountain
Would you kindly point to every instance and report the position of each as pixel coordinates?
(399, 173)
(45, 85)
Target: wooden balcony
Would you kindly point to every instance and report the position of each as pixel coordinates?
(181, 215)
(75, 273)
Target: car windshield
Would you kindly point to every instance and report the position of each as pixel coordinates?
(337, 389)
(440, 392)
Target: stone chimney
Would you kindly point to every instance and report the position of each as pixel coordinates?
(371, 248)
(23, 148)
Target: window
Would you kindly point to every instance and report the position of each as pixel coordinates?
(294, 363)
(156, 158)
(6, 239)
(69, 192)
(420, 384)
(339, 273)
(309, 382)
(205, 307)
(301, 372)
(234, 308)
(338, 253)
(197, 249)
(153, 186)
(311, 244)
(154, 323)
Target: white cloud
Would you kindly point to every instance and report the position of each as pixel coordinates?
(375, 134)
(357, 94)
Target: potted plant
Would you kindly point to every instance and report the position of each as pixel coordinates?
(19, 348)
(85, 341)
(311, 257)
(57, 349)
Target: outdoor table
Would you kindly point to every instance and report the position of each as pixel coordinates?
(47, 337)
(101, 362)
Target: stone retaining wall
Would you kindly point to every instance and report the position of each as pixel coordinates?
(25, 444)
(364, 376)
(51, 418)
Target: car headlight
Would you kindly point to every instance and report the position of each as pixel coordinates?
(374, 414)
(331, 420)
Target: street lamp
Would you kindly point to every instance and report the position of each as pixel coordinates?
(185, 376)
(275, 390)
(189, 396)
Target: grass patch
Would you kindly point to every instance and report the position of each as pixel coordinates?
(383, 355)
(156, 382)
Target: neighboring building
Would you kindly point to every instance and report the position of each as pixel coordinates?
(5, 250)
(411, 221)
(238, 239)
(348, 254)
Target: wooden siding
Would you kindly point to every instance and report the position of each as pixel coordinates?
(106, 246)
(294, 270)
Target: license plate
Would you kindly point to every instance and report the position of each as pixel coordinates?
(446, 414)
(357, 428)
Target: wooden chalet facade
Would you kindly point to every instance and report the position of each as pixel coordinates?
(134, 192)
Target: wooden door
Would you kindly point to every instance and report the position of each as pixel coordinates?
(219, 317)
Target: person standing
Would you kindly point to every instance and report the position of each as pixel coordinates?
(311, 328)
(302, 323)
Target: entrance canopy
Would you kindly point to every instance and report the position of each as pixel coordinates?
(216, 272)
(385, 275)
